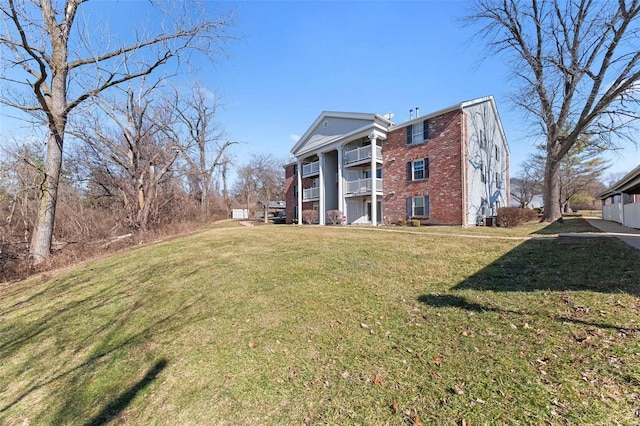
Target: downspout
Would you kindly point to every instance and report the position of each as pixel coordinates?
(323, 205)
(300, 192)
(463, 167)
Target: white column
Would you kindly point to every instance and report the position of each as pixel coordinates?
(321, 210)
(300, 190)
(340, 184)
(374, 195)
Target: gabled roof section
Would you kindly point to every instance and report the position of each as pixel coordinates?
(629, 184)
(459, 106)
(331, 126)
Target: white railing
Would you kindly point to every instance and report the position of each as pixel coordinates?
(311, 193)
(361, 154)
(361, 186)
(311, 169)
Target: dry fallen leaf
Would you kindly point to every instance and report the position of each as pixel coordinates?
(457, 389)
(435, 374)
(377, 381)
(438, 359)
(416, 421)
(394, 407)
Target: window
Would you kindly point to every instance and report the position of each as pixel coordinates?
(483, 177)
(497, 153)
(418, 169)
(418, 206)
(418, 133)
(295, 169)
(295, 191)
(367, 173)
(498, 180)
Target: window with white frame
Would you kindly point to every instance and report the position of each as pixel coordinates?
(418, 169)
(418, 206)
(418, 133)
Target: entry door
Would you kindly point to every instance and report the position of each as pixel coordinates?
(378, 211)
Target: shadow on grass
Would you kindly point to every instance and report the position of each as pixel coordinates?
(573, 225)
(452, 301)
(603, 265)
(116, 406)
(117, 319)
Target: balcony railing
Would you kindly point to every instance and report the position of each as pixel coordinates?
(362, 186)
(311, 193)
(361, 154)
(311, 169)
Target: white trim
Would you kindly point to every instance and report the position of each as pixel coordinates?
(333, 114)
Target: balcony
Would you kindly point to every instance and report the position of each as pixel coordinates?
(311, 194)
(359, 155)
(311, 169)
(361, 186)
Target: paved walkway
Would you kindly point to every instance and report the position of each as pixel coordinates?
(630, 236)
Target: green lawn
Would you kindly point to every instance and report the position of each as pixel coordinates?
(331, 325)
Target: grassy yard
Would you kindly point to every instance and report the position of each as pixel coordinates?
(331, 325)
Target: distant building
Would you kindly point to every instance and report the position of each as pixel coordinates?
(621, 202)
(446, 167)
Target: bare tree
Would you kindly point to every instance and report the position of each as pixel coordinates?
(579, 65)
(20, 172)
(245, 186)
(269, 180)
(59, 64)
(580, 172)
(206, 146)
(261, 180)
(528, 183)
(131, 149)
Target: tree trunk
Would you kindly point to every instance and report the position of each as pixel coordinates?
(48, 194)
(551, 196)
(204, 199)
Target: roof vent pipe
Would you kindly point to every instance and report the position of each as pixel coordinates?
(410, 114)
(417, 112)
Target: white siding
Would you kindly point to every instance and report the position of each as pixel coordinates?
(632, 215)
(484, 135)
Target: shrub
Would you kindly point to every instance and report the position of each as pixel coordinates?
(510, 217)
(334, 216)
(402, 222)
(415, 222)
(309, 216)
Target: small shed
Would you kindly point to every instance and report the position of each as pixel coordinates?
(239, 214)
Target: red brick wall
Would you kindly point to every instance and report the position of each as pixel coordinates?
(444, 185)
(290, 181)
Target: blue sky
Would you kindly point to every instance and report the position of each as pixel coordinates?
(299, 58)
(294, 59)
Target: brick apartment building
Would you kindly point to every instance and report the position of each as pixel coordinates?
(447, 167)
